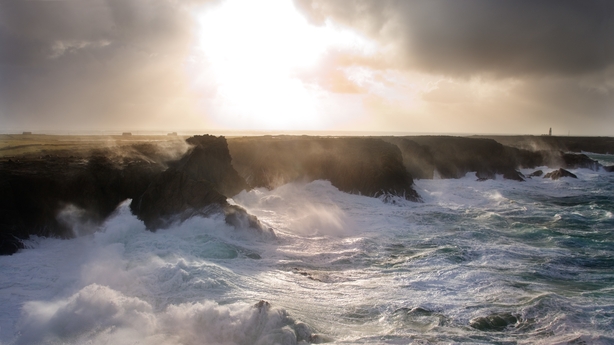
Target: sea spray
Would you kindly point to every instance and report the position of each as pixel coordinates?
(495, 261)
(98, 314)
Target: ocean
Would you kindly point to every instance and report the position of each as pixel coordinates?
(492, 262)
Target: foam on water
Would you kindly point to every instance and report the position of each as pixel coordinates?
(483, 262)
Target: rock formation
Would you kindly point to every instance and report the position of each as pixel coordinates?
(198, 184)
(557, 143)
(557, 174)
(366, 166)
(453, 157)
(536, 173)
(36, 189)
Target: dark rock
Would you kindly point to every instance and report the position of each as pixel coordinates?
(513, 174)
(210, 160)
(554, 143)
(557, 174)
(578, 160)
(364, 166)
(52, 195)
(254, 256)
(494, 322)
(240, 219)
(609, 168)
(36, 191)
(9, 244)
(198, 184)
(454, 157)
(536, 173)
(417, 159)
(485, 175)
(262, 306)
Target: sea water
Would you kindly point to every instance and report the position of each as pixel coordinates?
(492, 262)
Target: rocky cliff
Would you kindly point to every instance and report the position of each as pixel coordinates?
(366, 166)
(453, 157)
(37, 189)
(198, 184)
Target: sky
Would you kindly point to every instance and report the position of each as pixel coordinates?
(391, 66)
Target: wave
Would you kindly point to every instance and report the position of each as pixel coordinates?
(522, 262)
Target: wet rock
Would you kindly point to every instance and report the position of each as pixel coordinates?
(578, 160)
(254, 256)
(558, 143)
(494, 323)
(35, 192)
(198, 184)
(9, 244)
(262, 305)
(557, 174)
(240, 219)
(417, 159)
(454, 157)
(485, 175)
(536, 173)
(513, 174)
(365, 166)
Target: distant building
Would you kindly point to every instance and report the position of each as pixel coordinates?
(126, 133)
(550, 132)
(26, 133)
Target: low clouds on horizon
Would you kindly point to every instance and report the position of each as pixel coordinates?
(500, 66)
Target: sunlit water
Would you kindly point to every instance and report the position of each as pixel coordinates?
(477, 262)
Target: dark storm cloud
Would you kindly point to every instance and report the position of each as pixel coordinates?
(499, 38)
(94, 63)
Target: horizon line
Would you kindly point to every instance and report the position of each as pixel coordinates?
(240, 132)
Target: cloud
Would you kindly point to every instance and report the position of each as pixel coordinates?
(134, 65)
(94, 64)
(486, 66)
(448, 92)
(471, 37)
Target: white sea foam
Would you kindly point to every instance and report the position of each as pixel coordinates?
(100, 315)
(352, 268)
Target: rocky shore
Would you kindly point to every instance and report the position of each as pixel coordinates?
(366, 166)
(68, 192)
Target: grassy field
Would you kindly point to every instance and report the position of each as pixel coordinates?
(12, 145)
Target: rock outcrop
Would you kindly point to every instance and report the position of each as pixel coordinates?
(557, 143)
(454, 157)
(198, 184)
(366, 166)
(41, 193)
(557, 174)
(36, 189)
(536, 173)
(579, 160)
(495, 322)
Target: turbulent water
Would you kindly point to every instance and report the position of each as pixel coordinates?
(498, 261)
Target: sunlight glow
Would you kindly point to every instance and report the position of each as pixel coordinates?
(254, 50)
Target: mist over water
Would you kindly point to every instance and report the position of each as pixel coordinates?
(483, 262)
